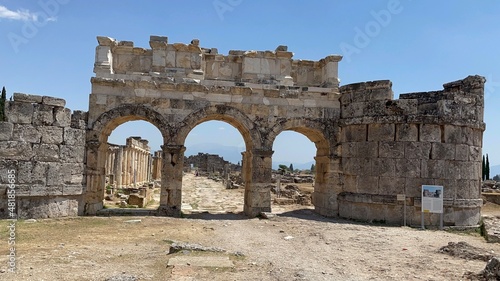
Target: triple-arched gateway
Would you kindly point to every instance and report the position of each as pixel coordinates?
(370, 148)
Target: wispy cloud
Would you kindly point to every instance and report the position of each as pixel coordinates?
(22, 15)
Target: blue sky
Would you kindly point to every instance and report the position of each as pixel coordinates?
(47, 46)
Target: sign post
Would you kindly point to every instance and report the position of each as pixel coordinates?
(432, 202)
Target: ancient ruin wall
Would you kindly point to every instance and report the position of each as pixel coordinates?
(392, 147)
(44, 144)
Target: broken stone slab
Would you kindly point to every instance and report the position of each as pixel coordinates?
(205, 261)
(267, 215)
(180, 246)
(491, 226)
(492, 269)
(21, 97)
(6, 130)
(133, 221)
(53, 101)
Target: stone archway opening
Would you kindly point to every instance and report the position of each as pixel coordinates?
(99, 157)
(293, 169)
(212, 180)
(323, 190)
(133, 166)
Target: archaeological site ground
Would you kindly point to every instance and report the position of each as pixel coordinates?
(370, 150)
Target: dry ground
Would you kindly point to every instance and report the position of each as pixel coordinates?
(295, 245)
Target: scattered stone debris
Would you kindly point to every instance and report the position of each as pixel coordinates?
(267, 215)
(465, 251)
(122, 278)
(491, 271)
(491, 186)
(291, 194)
(491, 226)
(288, 237)
(30, 221)
(180, 246)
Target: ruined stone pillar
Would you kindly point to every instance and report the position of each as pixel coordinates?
(327, 186)
(96, 159)
(118, 167)
(171, 180)
(258, 187)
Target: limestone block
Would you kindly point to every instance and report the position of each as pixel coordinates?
(72, 190)
(417, 150)
(46, 152)
(391, 185)
(74, 137)
(462, 152)
(24, 172)
(183, 60)
(26, 133)
(21, 97)
(368, 184)
(54, 176)
(51, 135)
(467, 136)
(349, 149)
(47, 208)
(79, 119)
(452, 134)
(381, 132)
(62, 117)
(354, 133)
(350, 183)
(475, 153)
(436, 169)
(383, 167)
(43, 114)
(6, 129)
(406, 132)
(356, 166)
(463, 189)
(53, 101)
(72, 153)
(391, 149)
(352, 110)
(407, 168)
(73, 173)
(443, 151)
(430, 133)
(467, 216)
(477, 137)
(19, 112)
(170, 59)
(15, 150)
(22, 190)
(367, 149)
(39, 173)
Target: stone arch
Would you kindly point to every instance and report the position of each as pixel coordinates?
(327, 184)
(111, 119)
(230, 115)
(97, 137)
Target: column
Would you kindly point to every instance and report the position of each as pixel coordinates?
(327, 185)
(171, 180)
(258, 187)
(118, 167)
(96, 158)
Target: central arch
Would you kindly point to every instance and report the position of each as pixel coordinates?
(175, 150)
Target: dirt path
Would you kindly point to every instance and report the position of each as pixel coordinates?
(295, 245)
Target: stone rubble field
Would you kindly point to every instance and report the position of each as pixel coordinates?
(295, 244)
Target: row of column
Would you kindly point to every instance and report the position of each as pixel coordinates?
(128, 166)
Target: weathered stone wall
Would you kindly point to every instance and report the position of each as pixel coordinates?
(392, 147)
(44, 143)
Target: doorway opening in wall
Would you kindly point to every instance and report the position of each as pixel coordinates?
(212, 181)
(293, 173)
(133, 167)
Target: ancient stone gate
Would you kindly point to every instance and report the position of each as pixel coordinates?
(177, 86)
(370, 147)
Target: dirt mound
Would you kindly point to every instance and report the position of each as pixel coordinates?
(465, 251)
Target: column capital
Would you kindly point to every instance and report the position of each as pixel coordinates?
(262, 153)
(173, 148)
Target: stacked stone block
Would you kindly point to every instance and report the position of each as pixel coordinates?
(44, 143)
(392, 147)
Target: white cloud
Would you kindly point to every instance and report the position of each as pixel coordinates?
(23, 15)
